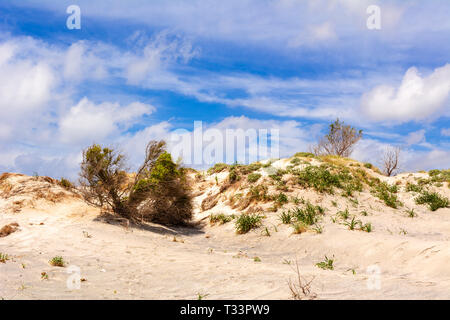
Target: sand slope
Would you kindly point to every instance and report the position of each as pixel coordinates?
(156, 262)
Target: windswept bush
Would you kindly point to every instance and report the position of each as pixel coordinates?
(159, 191)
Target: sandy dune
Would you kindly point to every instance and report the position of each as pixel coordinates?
(157, 262)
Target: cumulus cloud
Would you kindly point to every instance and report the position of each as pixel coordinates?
(88, 122)
(416, 98)
(415, 137)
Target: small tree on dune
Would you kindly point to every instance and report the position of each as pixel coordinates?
(391, 160)
(340, 140)
(159, 191)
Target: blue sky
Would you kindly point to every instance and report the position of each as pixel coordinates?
(138, 70)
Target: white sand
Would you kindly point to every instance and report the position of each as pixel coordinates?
(413, 254)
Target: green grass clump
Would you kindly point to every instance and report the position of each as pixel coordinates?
(344, 214)
(327, 264)
(57, 261)
(299, 227)
(305, 155)
(281, 199)
(3, 257)
(246, 222)
(367, 227)
(286, 217)
(309, 215)
(258, 193)
(218, 167)
(253, 177)
(387, 193)
(220, 218)
(368, 165)
(319, 178)
(411, 187)
(66, 184)
(353, 223)
(433, 199)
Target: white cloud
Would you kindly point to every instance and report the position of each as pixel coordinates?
(416, 98)
(25, 85)
(415, 137)
(88, 122)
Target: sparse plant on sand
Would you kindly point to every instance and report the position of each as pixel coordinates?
(220, 218)
(44, 276)
(201, 296)
(245, 222)
(367, 227)
(352, 224)
(318, 228)
(327, 264)
(387, 193)
(253, 177)
(57, 261)
(299, 227)
(411, 213)
(3, 257)
(286, 217)
(433, 199)
(66, 184)
(344, 214)
(301, 288)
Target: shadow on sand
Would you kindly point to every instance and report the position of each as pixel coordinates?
(193, 228)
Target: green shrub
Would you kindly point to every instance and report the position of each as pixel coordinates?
(434, 172)
(3, 257)
(309, 214)
(218, 167)
(411, 187)
(368, 165)
(57, 261)
(220, 218)
(305, 155)
(245, 222)
(281, 199)
(253, 177)
(258, 193)
(286, 217)
(318, 178)
(387, 193)
(66, 184)
(158, 193)
(299, 227)
(326, 264)
(433, 199)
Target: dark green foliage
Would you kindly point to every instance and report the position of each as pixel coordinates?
(304, 155)
(253, 177)
(218, 167)
(246, 222)
(387, 193)
(411, 187)
(159, 192)
(309, 215)
(433, 199)
(66, 184)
